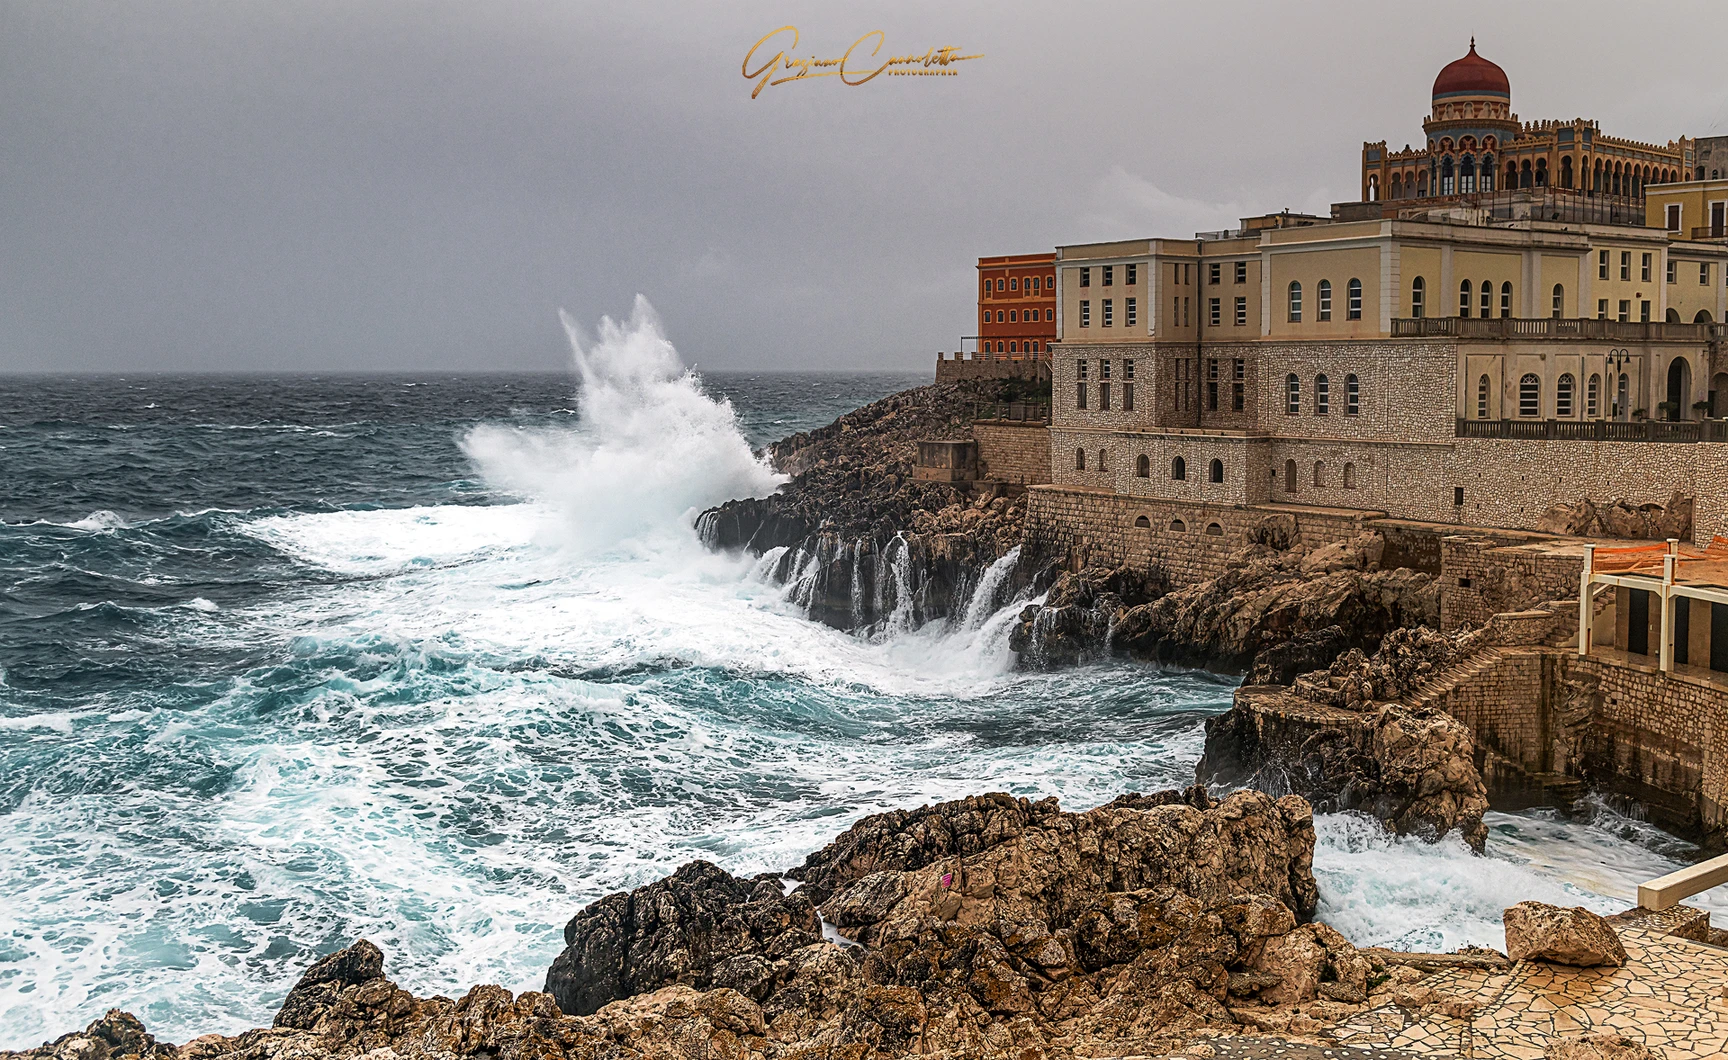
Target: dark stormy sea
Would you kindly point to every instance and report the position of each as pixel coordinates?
(437, 660)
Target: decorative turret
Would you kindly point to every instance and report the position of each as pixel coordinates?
(1471, 117)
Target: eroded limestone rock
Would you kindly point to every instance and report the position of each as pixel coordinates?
(1575, 936)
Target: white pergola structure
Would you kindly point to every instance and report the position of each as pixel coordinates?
(1666, 571)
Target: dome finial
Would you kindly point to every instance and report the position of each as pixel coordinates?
(1472, 42)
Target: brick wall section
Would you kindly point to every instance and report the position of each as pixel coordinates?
(1013, 452)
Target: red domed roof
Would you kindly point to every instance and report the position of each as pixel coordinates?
(1472, 74)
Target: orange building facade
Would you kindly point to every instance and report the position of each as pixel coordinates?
(1016, 307)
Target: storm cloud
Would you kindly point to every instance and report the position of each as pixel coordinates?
(383, 185)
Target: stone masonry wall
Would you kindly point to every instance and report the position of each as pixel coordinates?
(1484, 575)
(1013, 452)
(951, 369)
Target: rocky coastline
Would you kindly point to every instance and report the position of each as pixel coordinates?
(995, 926)
(989, 927)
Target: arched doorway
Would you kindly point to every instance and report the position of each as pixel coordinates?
(1679, 388)
(1719, 394)
(1702, 317)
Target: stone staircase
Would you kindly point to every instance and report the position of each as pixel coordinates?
(1453, 676)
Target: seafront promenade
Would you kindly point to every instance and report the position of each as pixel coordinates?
(1668, 997)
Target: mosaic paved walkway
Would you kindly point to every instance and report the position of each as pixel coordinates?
(1668, 996)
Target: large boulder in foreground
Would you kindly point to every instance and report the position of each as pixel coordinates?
(1575, 936)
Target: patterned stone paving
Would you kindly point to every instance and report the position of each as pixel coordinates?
(1669, 996)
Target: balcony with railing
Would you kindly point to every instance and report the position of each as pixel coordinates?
(1710, 232)
(1555, 328)
(1597, 430)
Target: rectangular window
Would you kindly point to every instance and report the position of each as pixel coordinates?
(1237, 396)
(1014, 283)
(1176, 311)
(1704, 273)
(1184, 312)
(1215, 273)
(1080, 370)
(1080, 395)
(1103, 369)
(1109, 274)
(1132, 274)
(1109, 312)
(1215, 311)
(1103, 397)
(1013, 316)
(1644, 311)
(1175, 274)
(1625, 309)
(1128, 370)
(1644, 268)
(1601, 309)
(1601, 264)
(1625, 264)
(1673, 269)
(1355, 300)
(1085, 313)
(1325, 301)
(1128, 395)
(1130, 312)
(1212, 384)
(1241, 311)
(1086, 276)
(1241, 272)
(1673, 217)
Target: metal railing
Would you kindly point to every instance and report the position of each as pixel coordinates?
(1597, 430)
(1565, 328)
(1710, 232)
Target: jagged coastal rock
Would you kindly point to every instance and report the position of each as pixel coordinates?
(865, 542)
(1274, 611)
(987, 927)
(1340, 738)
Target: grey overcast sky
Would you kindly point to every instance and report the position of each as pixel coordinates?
(281, 185)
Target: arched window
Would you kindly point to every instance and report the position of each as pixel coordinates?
(1530, 396)
(1178, 526)
(1506, 299)
(1467, 174)
(1322, 395)
(1511, 174)
(1013, 347)
(1354, 293)
(1325, 291)
(1373, 188)
(1447, 183)
(1593, 395)
(1217, 470)
(1541, 172)
(1566, 171)
(1487, 181)
(1292, 395)
(1349, 476)
(1142, 466)
(1559, 300)
(1563, 388)
(1101, 464)
(1214, 530)
(1524, 174)
(1418, 288)
(1319, 474)
(1397, 186)
(1142, 523)
(1179, 469)
(1352, 395)
(1295, 302)
(1482, 398)
(1079, 459)
(1289, 476)
(1464, 299)
(1487, 298)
